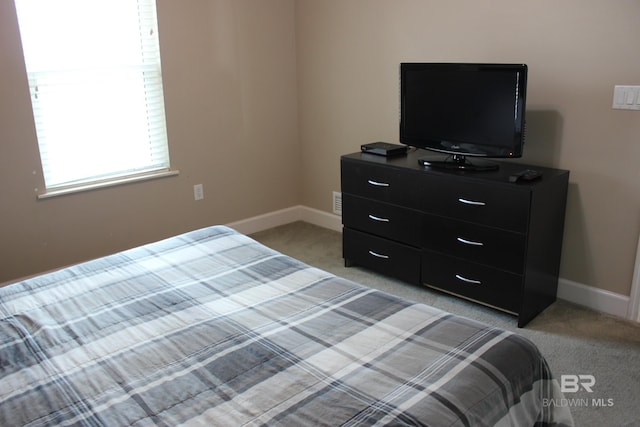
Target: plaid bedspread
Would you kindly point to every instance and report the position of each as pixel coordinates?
(212, 328)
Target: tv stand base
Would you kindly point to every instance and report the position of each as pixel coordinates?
(458, 162)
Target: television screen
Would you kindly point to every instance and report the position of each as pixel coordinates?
(463, 109)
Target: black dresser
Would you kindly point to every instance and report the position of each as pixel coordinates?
(472, 234)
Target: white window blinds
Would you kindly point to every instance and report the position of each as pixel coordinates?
(96, 88)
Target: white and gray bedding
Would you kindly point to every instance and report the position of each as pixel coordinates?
(212, 328)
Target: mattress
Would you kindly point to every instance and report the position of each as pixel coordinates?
(213, 328)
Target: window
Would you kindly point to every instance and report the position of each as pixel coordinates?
(96, 88)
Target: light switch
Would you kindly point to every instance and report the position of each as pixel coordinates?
(626, 97)
(630, 96)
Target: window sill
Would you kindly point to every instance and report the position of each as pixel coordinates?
(63, 191)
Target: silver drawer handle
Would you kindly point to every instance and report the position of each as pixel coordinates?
(377, 218)
(464, 279)
(471, 202)
(377, 255)
(378, 184)
(469, 242)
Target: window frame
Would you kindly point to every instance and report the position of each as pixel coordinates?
(156, 162)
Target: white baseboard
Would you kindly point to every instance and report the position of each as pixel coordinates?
(593, 298)
(286, 216)
(577, 293)
(266, 221)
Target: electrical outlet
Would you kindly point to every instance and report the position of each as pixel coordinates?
(198, 192)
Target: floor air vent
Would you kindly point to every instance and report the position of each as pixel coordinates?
(337, 203)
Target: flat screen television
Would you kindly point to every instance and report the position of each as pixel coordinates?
(467, 111)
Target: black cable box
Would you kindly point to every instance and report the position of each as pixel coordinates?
(384, 149)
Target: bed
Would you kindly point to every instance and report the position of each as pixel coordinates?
(212, 328)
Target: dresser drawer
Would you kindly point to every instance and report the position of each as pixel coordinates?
(382, 219)
(382, 255)
(486, 204)
(381, 183)
(488, 285)
(485, 245)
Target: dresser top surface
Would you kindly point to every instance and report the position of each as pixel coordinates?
(501, 175)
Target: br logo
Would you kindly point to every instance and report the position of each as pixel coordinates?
(573, 383)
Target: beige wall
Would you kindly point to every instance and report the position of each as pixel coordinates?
(348, 56)
(263, 96)
(229, 69)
